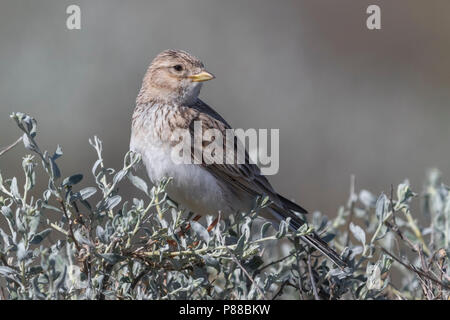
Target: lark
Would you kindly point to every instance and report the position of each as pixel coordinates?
(169, 102)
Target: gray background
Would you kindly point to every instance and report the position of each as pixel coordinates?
(346, 100)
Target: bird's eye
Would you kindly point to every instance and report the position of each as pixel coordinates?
(178, 67)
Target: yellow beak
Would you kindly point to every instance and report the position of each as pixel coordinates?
(202, 76)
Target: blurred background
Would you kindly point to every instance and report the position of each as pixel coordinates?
(347, 100)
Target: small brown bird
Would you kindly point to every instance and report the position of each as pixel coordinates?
(168, 101)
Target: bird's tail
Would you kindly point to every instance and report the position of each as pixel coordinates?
(315, 241)
(312, 239)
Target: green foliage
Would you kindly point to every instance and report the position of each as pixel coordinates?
(87, 242)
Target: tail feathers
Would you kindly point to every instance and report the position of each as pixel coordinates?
(311, 239)
(288, 204)
(315, 241)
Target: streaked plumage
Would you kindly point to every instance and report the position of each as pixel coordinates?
(168, 100)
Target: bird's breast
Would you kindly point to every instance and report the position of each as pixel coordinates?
(192, 185)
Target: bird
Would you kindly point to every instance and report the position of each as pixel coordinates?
(168, 102)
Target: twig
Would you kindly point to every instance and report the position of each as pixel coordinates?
(416, 230)
(272, 263)
(428, 283)
(299, 278)
(243, 269)
(58, 228)
(412, 268)
(6, 149)
(311, 277)
(397, 230)
(280, 291)
(247, 274)
(139, 277)
(69, 221)
(172, 254)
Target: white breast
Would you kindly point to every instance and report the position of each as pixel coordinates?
(192, 186)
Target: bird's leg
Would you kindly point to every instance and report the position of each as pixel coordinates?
(196, 218)
(182, 232)
(210, 227)
(213, 224)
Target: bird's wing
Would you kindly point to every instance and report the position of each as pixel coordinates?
(245, 177)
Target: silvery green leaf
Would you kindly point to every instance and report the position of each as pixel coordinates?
(283, 228)
(81, 238)
(72, 180)
(404, 193)
(171, 203)
(382, 207)
(36, 291)
(28, 144)
(373, 274)
(427, 231)
(10, 274)
(138, 182)
(265, 201)
(386, 263)
(382, 233)
(164, 224)
(381, 211)
(30, 124)
(14, 189)
(112, 258)
(59, 284)
(211, 262)
(367, 198)
(47, 206)
(22, 253)
(95, 166)
(109, 203)
(131, 158)
(355, 251)
(200, 231)
(119, 176)
(28, 167)
(101, 234)
(39, 237)
(358, 233)
(7, 240)
(239, 250)
(264, 229)
(6, 271)
(56, 173)
(304, 229)
(87, 192)
(7, 212)
(34, 223)
(58, 153)
(340, 274)
(47, 194)
(245, 228)
(138, 203)
(20, 220)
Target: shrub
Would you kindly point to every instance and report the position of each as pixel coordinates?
(114, 248)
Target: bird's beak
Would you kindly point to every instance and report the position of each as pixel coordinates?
(202, 76)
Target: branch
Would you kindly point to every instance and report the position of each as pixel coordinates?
(6, 149)
(412, 268)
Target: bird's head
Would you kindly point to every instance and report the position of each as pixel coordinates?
(174, 76)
